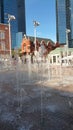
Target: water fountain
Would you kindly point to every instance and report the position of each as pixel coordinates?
(29, 88)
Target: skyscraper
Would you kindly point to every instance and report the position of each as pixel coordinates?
(1, 12)
(64, 20)
(16, 8)
(21, 16)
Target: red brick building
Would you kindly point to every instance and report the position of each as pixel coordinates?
(4, 39)
(26, 45)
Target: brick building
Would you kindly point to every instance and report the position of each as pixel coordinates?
(4, 39)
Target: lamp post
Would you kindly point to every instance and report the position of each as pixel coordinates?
(10, 17)
(35, 25)
(67, 31)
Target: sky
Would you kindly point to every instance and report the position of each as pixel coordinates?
(44, 12)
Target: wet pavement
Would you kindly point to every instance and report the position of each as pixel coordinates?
(28, 102)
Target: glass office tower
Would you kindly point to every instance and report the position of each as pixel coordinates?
(21, 16)
(64, 20)
(1, 12)
(16, 8)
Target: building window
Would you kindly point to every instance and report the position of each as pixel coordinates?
(58, 59)
(24, 47)
(69, 53)
(2, 35)
(54, 59)
(3, 45)
(50, 60)
(62, 54)
(28, 47)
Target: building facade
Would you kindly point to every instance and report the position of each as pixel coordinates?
(4, 39)
(64, 20)
(16, 8)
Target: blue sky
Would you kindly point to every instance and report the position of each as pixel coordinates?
(44, 12)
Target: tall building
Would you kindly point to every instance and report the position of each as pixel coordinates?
(64, 21)
(21, 16)
(1, 11)
(16, 8)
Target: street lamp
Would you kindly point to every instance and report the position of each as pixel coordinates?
(67, 31)
(35, 25)
(10, 17)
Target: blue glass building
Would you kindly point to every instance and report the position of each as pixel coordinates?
(64, 20)
(19, 37)
(1, 12)
(16, 8)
